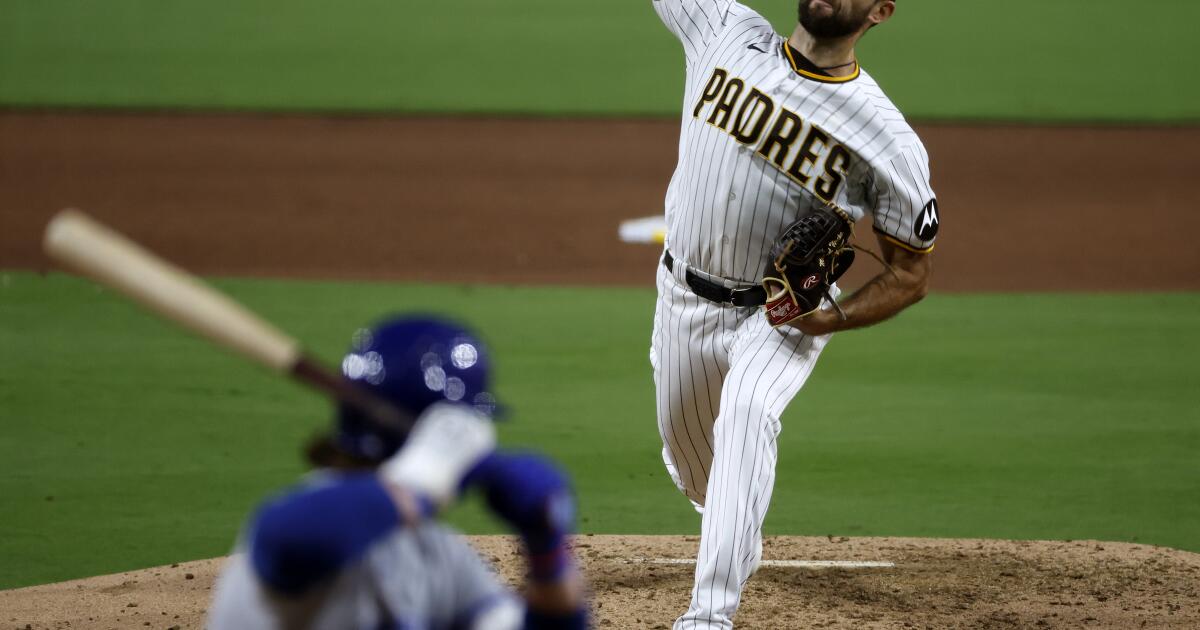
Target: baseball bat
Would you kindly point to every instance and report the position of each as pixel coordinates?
(94, 250)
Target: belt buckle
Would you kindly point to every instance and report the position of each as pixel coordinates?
(749, 300)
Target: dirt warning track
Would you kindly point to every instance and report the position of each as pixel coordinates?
(538, 201)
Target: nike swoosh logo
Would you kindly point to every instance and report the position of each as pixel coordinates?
(755, 47)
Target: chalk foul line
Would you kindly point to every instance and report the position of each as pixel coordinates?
(794, 564)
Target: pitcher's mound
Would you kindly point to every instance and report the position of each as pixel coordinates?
(645, 582)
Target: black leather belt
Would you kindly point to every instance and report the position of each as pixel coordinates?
(715, 292)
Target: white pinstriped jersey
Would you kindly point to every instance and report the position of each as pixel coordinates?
(763, 141)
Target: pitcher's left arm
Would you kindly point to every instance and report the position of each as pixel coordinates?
(879, 299)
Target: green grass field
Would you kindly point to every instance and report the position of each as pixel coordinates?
(1102, 60)
(126, 443)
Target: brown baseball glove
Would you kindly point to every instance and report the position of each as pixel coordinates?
(806, 260)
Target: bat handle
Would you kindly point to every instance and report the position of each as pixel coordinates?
(309, 371)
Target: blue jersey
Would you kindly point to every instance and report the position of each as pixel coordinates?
(335, 555)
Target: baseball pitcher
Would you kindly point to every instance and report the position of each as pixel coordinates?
(784, 144)
(356, 547)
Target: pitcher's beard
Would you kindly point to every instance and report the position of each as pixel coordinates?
(836, 24)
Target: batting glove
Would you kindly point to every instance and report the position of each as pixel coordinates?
(447, 442)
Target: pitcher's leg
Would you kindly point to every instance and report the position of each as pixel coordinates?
(689, 362)
(768, 368)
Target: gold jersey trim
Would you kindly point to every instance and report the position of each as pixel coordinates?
(787, 50)
(901, 244)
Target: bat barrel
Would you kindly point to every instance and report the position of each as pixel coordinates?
(96, 251)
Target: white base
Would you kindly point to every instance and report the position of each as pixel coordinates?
(650, 230)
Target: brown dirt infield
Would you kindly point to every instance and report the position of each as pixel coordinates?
(536, 201)
(935, 584)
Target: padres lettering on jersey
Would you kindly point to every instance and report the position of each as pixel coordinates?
(816, 156)
(764, 141)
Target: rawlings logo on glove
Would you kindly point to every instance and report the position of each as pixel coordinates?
(806, 260)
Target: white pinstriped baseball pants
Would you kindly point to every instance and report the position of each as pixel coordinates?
(723, 377)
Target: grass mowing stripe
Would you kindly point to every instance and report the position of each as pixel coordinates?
(939, 59)
(127, 443)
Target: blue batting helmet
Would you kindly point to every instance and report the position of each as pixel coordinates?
(412, 362)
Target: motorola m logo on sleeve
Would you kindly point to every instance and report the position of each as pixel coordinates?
(926, 225)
